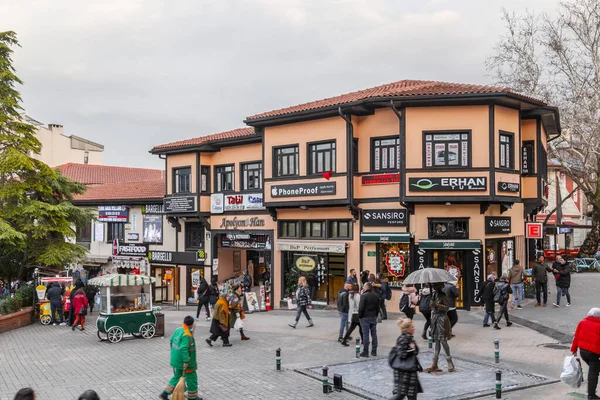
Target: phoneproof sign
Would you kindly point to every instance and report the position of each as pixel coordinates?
(463, 184)
(303, 189)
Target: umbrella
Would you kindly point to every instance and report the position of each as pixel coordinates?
(429, 275)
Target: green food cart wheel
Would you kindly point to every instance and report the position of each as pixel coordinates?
(99, 337)
(45, 319)
(148, 330)
(115, 334)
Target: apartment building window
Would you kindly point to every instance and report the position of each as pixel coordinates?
(286, 161)
(205, 179)
(115, 230)
(314, 229)
(446, 228)
(447, 149)
(507, 153)
(224, 178)
(182, 180)
(385, 154)
(84, 233)
(194, 236)
(340, 230)
(321, 157)
(252, 176)
(288, 229)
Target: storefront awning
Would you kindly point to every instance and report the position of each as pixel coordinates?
(449, 244)
(375, 237)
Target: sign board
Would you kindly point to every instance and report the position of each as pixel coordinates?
(528, 157)
(449, 244)
(390, 217)
(152, 225)
(303, 189)
(462, 184)
(374, 237)
(113, 213)
(133, 250)
(179, 204)
(220, 202)
(380, 179)
(534, 230)
(98, 232)
(565, 230)
(305, 263)
(497, 225)
(217, 203)
(509, 187)
(153, 209)
(172, 257)
(241, 223)
(246, 241)
(133, 237)
(475, 260)
(306, 247)
(371, 253)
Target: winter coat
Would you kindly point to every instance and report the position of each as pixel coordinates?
(353, 305)
(54, 294)
(385, 289)
(203, 294)
(515, 275)
(236, 306)
(342, 301)
(79, 301)
(303, 296)
(247, 281)
(440, 323)
(452, 294)
(213, 294)
(369, 305)
(587, 335)
(220, 317)
(539, 273)
(563, 277)
(425, 300)
(183, 349)
(407, 382)
(411, 292)
(488, 295)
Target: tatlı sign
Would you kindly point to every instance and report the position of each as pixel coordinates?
(466, 184)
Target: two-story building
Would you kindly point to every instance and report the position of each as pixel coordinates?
(403, 176)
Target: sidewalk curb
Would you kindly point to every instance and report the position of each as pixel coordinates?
(544, 330)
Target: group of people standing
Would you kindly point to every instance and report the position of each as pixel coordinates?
(74, 301)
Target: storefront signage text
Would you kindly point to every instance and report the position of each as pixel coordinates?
(497, 225)
(508, 187)
(384, 217)
(534, 230)
(113, 213)
(180, 204)
(312, 247)
(153, 209)
(303, 189)
(476, 254)
(140, 250)
(465, 184)
(306, 263)
(235, 202)
(172, 257)
(527, 157)
(241, 223)
(380, 179)
(246, 241)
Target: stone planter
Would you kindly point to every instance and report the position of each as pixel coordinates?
(16, 320)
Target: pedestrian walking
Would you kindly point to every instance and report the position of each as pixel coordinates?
(587, 341)
(406, 378)
(80, 306)
(90, 292)
(236, 310)
(408, 301)
(425, 309)
(353, 306)
(368, 311)
(385, 293)
(25, 394)
(451, 290)
(89, 395)
(203, 298)
(183, 360)
(364, 277)
(343, 306)
(441, 331)
(353, 279)
(213, 293)
(502, 293)
(540, 277)
(219, 327)
(55, 296)
(562, 273)
(78, 285)
(303, 302)
(516, 276)
(487, 295)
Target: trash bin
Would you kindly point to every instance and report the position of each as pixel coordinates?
(160, 323)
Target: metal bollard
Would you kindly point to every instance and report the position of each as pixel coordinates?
(278, 359)
(357, 347)
(325, 380)
(430, 343)
(497, 350)
(498, 384)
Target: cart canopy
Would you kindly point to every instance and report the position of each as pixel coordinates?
(61, 279)
(121, 280)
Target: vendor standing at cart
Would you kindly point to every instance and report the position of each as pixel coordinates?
(183, 360)
(55, 296)
(236, 309)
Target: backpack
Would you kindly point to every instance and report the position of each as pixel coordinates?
(498, 294)
(425, 303)
(404, 302)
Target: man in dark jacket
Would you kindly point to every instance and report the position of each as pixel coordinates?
(540, 277)
(353, 279)
(203, 298)
(368, 310)
(562, 273)
(55, 296)
(451, 291)
(488, 299)
(342, 306)
(384, 293)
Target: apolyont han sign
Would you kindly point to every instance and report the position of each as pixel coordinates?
(462, 184)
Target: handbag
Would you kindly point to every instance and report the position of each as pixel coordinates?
(408, 364)
(83, 311)
(224, 329)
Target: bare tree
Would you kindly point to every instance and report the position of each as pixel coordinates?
(557, 59)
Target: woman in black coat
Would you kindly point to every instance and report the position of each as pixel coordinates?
(407, 383)
(488, 298)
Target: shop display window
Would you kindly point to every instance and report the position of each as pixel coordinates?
(125, 299)
(394, 262)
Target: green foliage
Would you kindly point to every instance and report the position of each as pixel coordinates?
(23, 298)
(9, 306)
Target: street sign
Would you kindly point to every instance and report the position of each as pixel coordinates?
(534, 230)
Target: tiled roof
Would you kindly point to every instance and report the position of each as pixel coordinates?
(240, 132)
(90, 174)
(400, 89)
(143, 190)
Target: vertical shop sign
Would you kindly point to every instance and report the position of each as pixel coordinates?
(476, 263)
(428, 154)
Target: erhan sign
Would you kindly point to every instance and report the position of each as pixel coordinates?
(465, 184)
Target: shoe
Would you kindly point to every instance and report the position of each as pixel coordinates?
(163, 396)
(496, 326)
(486, 325)
(227, 345)
(207, 319)
(363, 354)
(508, 323)
(545, 305)
(244, 337)
(592, 396)
(292, 325)
(209, 342)
(373, 354)
(73, 328)
(568, 304)
(54, 324)
(196, 319)
(554, 304)
(433, 368)
(63, 324)
(519, 308)
(424, 336)
(345, 343)
(81, 328)
(349, 338)
(340, 340)
(450, 365)
(537, 304)
(310, 323)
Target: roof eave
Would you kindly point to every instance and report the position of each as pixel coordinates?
(210, 146)
(98, 202)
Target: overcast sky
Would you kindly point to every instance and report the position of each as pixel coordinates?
(132, 74)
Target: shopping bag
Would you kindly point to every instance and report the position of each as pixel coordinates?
(239, 324)
(572, 373)
(179, 392)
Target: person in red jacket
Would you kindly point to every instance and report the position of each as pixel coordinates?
(79, 306)
(587, 340)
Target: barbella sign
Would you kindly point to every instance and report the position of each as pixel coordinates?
(179, 204)
(497, 224)
(172, 257)
(466, 184)
(303, 189)
(384, 218)
(242, 223)
(508, 187)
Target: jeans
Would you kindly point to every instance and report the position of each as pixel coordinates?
(565, 291)
(300, 310)
(453, 317)
(382, 308)
(487, 316)
(54, 308)
(539, 288)
(343, 324)
(369, 324)
(518, 293)
(593, 361)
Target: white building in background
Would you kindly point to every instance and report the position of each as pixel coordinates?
(58, 148)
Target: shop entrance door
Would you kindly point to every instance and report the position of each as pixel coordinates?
(452, 261)
(499, 254)
(337, 276)
(161, 293)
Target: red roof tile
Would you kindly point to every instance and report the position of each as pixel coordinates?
(89, 174)
(240, 132)
(142, 190)
(400, 89)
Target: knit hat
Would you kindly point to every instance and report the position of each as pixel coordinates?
(491, 277)
(189, 321)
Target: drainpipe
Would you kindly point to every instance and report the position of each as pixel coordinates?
(402, 177)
